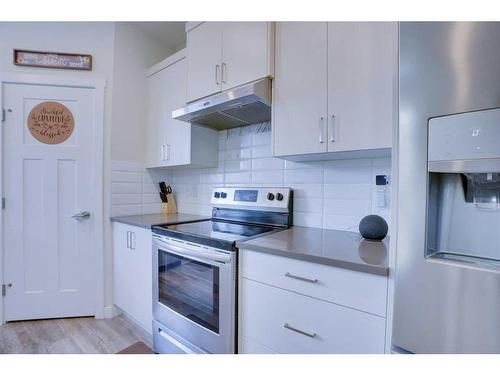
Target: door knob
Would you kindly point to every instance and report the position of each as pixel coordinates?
(83, 215)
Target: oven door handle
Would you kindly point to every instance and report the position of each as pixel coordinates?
(203, 255)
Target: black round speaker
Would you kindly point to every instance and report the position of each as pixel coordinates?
(373, 227)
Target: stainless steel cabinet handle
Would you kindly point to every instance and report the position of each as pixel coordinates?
(331, 131)
(288, 326)
(83, 215)
(321, 124)
(128, 239)
(165, 152)
(223, 72)
(132, 241)
(292, 276)
(217, 69)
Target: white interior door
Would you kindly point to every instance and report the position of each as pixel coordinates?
(49, 259)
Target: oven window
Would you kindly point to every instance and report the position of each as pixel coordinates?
(190, 288)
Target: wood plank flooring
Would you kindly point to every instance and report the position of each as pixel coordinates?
(70, 336)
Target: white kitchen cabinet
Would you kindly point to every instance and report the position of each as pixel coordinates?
(223, 55)
(300, 88)
(362, 291)
(247, 52)
(204, 49)
(132, 273)
(362, 71)
(292, 323)
(350, 71)
(342, 312)
(174, 143)
(252, 347)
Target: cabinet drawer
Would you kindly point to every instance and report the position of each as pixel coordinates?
(314, 326)
(359, 290)
(249, 346)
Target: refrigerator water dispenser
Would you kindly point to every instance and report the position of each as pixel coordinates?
(463, 200)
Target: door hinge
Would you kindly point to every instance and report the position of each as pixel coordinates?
(4, 289)
(3, 203)
(4, 113)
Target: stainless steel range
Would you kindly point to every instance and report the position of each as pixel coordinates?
(195, 269)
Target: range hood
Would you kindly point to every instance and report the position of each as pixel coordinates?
(243, 105)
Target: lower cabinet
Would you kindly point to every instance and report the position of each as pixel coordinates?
(132, 276)
(290, 319)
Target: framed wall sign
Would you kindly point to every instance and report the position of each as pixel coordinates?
(54, 60)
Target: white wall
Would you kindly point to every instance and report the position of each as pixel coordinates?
(92, 38)
(121, 54)
(134, 52)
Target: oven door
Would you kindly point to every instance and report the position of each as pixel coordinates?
(194, 291)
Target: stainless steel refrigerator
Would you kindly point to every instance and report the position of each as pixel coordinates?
(447, 292)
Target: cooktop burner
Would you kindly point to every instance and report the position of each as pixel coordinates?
(238, 213)
(215, 233)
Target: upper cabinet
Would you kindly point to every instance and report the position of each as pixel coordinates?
(300, 88)
(362, 78)
(172, 142)
(334, 89)
(204, 49)
(223, 55)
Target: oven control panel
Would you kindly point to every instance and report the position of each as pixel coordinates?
(252, 197)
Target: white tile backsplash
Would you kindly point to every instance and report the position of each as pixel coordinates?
(133, 190)
(334, 194)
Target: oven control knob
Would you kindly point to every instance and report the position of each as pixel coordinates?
(270, 196)
(279, 196)
(223, 195)
(217, 194)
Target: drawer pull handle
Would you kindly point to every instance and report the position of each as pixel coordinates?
(291, 275)
(288, 326)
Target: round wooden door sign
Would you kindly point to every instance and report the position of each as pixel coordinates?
(51, 123)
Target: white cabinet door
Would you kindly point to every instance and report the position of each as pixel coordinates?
(172, 142)
(156, 117)
(176, 145)
(362, 69)
(300, 88)
(132, 276)
(169, 140)
(246, 52)
(204, 50)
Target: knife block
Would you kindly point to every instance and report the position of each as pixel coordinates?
(170, 207)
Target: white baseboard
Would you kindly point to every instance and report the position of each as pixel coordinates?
(110, 312)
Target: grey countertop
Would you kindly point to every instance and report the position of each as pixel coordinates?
(331, 247)
(147, 221)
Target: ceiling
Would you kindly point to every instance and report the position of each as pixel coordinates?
(172, 34)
